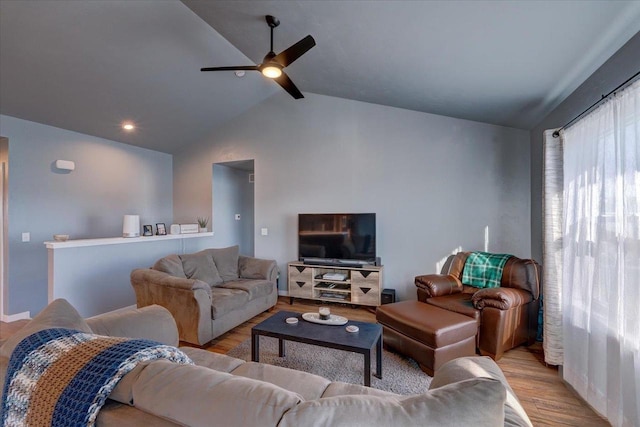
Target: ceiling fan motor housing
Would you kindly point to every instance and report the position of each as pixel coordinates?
(272, 21)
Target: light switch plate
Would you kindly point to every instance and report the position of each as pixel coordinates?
(264, 231)
(26, 237)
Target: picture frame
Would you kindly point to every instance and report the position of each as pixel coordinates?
(147, 230)
(161, 230)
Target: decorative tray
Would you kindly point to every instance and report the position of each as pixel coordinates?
(334, 319)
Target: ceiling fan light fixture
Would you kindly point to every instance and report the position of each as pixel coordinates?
(273, 71)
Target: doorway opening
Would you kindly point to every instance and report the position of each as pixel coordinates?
(233, 219)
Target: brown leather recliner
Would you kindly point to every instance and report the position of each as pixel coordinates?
(507, 316)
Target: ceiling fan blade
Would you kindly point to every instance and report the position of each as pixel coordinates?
(238, 68)
(288, 85)
(295, 51)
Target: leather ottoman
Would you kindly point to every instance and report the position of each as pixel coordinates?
(428, 334)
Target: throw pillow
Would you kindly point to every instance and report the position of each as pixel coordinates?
(475, 402)
(58, 314)
(483, 269)
(172, 265)
(226, 260)
(200, 266)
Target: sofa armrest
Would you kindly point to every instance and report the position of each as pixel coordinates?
(465, 368)
(152, 322)
(257, 268)
(501, 298)
(437, 285)
(188, 300)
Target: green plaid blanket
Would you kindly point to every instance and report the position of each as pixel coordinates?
(484, 270)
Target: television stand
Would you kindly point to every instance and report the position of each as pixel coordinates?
(362, 283)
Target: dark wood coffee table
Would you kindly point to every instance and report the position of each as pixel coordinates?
(363, 341)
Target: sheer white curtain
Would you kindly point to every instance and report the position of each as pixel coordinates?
(601, 258)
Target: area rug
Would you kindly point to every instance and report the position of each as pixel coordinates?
(399, 374)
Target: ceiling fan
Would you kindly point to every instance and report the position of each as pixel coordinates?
(273, 65)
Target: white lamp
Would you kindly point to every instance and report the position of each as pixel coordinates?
(131, 226)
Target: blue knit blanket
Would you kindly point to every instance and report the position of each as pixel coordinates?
(484, 270)
(61, 377)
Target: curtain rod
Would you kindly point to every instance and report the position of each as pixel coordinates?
(604, 97)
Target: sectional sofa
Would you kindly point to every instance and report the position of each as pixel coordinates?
(218, 390)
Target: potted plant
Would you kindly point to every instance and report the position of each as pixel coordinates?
(202, 223)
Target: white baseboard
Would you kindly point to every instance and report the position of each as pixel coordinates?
(13, 317)
(283, 293)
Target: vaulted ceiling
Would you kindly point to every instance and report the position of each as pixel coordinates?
(88, 65)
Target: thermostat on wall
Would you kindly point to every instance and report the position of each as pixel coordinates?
(65, 165)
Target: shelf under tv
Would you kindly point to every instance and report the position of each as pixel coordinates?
(362, 285)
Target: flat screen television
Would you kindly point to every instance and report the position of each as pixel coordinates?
(337, 238)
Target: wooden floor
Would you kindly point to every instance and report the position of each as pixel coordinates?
(543, 395)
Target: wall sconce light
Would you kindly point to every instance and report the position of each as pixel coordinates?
(65, 165)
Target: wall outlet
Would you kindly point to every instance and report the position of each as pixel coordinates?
(26, 237)
(237, 217)
(264, 231)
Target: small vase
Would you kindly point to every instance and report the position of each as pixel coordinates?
(203, 229)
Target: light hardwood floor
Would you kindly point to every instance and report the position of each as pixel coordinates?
(543, 395)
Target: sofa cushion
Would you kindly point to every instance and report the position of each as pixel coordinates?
(226, 260)
(255, 268)
(255, 288)
(58, 314)
(117, 414)
(338, 388)
(465, 368)
(123, 391)
(197, 396)
(309, 386)
(200, 266)
(211, 360)
(475, 402)
(458, 303)
(172, 265)
(225, 300)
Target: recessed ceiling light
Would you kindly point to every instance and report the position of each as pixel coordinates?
(128, 126)
(239, 73)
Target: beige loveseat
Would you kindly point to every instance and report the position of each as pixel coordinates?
(223, 391)
(208, 292)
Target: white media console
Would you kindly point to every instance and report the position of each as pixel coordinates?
(360, 285)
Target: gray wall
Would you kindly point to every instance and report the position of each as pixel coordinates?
(104, 284)
(247, 222)
(111, 179)
(232, 194)
(622, 65)
(436, 183)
